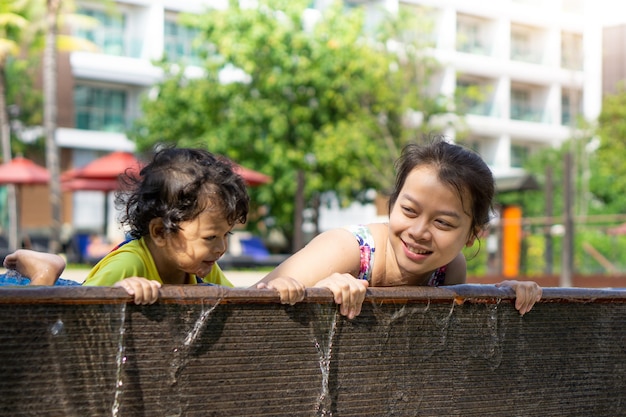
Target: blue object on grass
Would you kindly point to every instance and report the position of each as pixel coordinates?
(14, 278)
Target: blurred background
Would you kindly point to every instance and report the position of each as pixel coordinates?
(313, 101)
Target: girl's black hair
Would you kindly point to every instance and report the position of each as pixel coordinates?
(461, 168)
(176, 186)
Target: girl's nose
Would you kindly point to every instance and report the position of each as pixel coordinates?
(420, 230)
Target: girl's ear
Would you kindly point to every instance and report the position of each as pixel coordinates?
(470, 240)
(157, 231)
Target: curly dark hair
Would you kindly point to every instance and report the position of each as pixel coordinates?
(461, 168)
(176, 186)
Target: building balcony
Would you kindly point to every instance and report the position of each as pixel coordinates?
(115, 69)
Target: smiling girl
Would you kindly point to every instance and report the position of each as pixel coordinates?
(440, 203)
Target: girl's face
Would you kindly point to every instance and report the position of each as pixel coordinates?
(428, 225)
(199, 244)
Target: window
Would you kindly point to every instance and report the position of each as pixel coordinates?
(571, 51)
(473, 97)
(571, 106)
(520, 105)
(179, 43)
(469, 36)
(519, 155)
(99, 109)
(520, 45)
(526, 44)
(108, 35)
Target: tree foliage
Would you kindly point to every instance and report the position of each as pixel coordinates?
(609, 181)
(320, 98)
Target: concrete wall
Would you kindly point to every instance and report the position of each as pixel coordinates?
(209, 351)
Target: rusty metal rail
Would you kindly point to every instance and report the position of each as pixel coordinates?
(211, 351)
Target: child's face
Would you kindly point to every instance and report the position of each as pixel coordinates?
(428, 225)
(199, 243)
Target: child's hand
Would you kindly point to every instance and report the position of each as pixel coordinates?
(145, 291)
(527, 293)
(290, 290)
(349, 292)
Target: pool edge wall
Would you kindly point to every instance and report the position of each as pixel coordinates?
(210, 351)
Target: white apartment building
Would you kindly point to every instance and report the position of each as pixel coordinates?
(533, 67)
(536, 64)
(100, 92)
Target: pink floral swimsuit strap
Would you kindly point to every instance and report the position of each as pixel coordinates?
(438, 277)
(367, 249)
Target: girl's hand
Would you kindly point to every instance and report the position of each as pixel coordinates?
(527, 293)
(290, 290)
(144, 291)
(348, 291)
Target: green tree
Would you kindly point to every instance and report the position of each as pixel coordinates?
(318, 107)
(28, 27)
(14, 29)
(609, 182)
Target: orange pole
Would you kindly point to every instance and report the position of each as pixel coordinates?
(511, 240)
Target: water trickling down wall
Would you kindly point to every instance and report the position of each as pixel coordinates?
(210, 351)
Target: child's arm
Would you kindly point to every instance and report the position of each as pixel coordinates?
(527, 293)
(144, 291)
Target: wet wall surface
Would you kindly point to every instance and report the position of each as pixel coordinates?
(209, 351)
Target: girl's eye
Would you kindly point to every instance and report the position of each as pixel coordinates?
(210, 238)
(408, 210)
(444, 224)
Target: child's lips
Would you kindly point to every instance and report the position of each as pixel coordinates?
(205, 268)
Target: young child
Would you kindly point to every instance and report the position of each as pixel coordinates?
(180, 212)
(441, 201)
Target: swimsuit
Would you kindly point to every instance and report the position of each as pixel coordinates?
(368, 249)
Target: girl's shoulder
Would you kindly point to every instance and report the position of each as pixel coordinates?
(371, 232)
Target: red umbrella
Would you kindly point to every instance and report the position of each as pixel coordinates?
(102, 175)
(23, 171)
(110, 166)
(70, 181)
(251, 177)
(86, 184)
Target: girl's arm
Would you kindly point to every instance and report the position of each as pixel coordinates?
(527, 293)
(331, 260)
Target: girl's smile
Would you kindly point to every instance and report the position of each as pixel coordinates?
(428, 225)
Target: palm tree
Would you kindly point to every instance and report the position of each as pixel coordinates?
(50, 119)
(53, 41)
